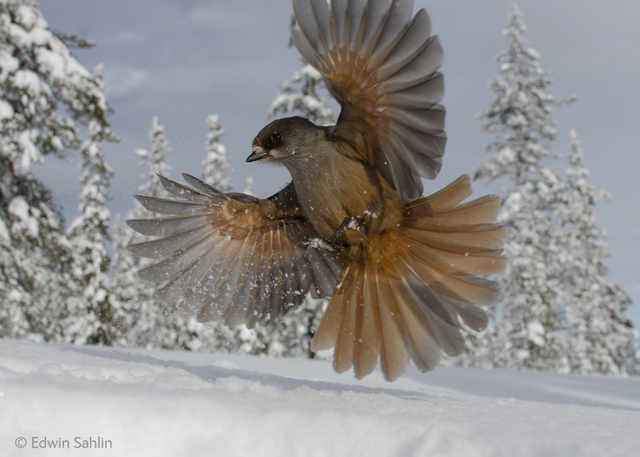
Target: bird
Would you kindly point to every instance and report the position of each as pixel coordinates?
(406, 275)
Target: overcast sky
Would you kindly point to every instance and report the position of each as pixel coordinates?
(182, 60)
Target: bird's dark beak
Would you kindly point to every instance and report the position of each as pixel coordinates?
(258, 154)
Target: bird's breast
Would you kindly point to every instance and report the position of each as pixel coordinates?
(345, 188)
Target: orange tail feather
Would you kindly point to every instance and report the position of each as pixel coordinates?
(411, 304)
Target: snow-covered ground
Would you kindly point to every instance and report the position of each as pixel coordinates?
(131, 402)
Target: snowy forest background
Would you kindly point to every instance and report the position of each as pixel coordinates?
(74, 281)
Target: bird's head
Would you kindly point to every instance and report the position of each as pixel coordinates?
(284, 140)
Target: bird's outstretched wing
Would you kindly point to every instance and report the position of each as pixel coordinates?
(233, 257)
(382, 67)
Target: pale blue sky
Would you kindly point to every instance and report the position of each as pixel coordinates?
(181, 60)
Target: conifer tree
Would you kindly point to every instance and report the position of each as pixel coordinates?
(600, 337)
(146, 322)
(154, 161)
(154, 323)
(150, 323)
(127, 291)
(94, 319)
(300, 96)
(521, 117)
(216, 164)
(212, 336)
(215, 335)
(46, 96)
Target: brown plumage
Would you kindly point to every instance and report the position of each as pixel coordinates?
(404, 273)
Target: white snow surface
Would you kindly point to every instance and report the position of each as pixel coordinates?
(166, 403)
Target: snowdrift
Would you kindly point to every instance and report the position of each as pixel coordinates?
(132, 402)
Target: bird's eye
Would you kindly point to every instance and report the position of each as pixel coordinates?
(276, 139)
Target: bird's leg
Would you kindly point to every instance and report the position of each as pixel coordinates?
(349, 227)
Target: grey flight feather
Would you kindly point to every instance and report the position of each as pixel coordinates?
(219, 269)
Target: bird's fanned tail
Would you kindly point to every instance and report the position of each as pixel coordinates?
(411, 304)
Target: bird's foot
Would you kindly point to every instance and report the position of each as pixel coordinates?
(350, 225)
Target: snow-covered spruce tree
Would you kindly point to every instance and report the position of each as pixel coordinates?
(153, 323)
(287, 337)
(93, 318)
(521, 117)
(157, 324)
(154, 161)
(46, 95)
(599, 337)
(213, 336)
(126, 288)
(143, 315)
(216, 164)
(534, 298)
(299, 327)
(300, 96)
